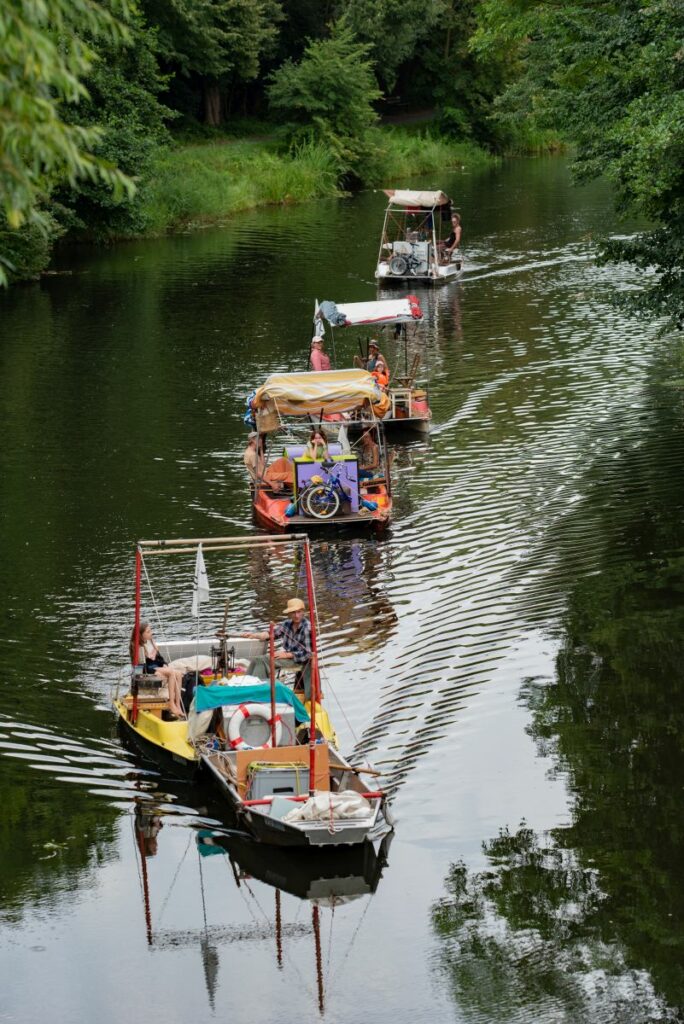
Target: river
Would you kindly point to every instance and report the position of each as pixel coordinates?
(509, 655)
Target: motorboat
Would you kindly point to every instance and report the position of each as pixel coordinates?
(395, 321)
(412, 244)
(292, 490)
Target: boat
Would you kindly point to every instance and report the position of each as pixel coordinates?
(272, 755)
(291, 491)
(412, 240)
(409, 408)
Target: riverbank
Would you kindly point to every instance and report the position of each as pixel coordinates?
(199, 185)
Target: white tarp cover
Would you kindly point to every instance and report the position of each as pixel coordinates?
(425, 200)
(384, 311)
(296, 394)
(320, 807)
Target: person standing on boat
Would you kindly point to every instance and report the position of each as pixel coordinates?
(319, 359)
(254, 456)
(295, 636)
(374, 354)
(145, 652)
(453, 242)
(381, 373)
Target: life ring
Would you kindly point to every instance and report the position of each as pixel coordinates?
(245, 711)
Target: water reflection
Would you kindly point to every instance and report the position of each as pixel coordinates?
(327, 880)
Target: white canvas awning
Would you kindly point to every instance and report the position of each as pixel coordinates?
(383, 311)
(423, 200)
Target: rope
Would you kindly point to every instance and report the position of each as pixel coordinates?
(175, 877)
(154, 603)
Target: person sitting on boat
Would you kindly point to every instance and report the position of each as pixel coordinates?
(452, 243)
(317, 447)
(145, 652)
(319, 359)
(254, 456)
(295, 636)
(381, 373)
(369, 456)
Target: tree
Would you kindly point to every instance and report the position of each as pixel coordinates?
(43, 60)
(612, 77)
(328, 96)
(218, 42)
(122, 101)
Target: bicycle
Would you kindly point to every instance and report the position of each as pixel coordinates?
(323, 500)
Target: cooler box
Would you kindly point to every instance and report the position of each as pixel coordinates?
(273, 781)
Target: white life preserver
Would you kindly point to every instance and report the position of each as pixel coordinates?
(245, 711)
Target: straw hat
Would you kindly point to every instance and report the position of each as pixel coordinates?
(373, 344)
(295, 604)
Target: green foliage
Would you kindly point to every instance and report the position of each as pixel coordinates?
(26, 250)
(122, 100)
(611, 77)
(328, 98)
(397, 31)
(43, 59)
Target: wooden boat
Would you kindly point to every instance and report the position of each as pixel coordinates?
(411, 244)
(291, 491)
(409, 408)
(273, 756)
(143, 714)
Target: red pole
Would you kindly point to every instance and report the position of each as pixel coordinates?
(146, 889)
(271, 655)
(135, 646)
(315, 682)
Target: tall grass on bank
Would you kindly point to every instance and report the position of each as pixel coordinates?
(204, 184)
(402, 153)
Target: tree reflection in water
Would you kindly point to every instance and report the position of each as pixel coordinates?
(585, 923)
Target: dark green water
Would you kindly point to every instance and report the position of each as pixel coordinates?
(510, 654)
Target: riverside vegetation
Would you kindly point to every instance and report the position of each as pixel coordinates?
(98, 100)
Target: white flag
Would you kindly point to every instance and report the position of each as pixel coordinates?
(200, 584)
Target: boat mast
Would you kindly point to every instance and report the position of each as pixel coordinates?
(315, 680)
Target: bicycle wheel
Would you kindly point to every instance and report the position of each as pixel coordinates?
(321, 502)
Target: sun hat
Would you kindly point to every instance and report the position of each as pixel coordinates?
(373, 344)
(295, 604)
(314, 340)
(252, 434)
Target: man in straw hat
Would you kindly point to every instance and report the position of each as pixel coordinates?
(295, 634)
(374, 354)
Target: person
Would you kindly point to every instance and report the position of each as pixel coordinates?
(254, 456)
(454, 240)
(319, 359)
(317, 447)
(374, 354)
(145, 652)
(369, 456)
(295, 633)
(381, 373)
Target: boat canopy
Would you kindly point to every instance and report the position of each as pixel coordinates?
(302, 394)
(383, 311)
(423, 200)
